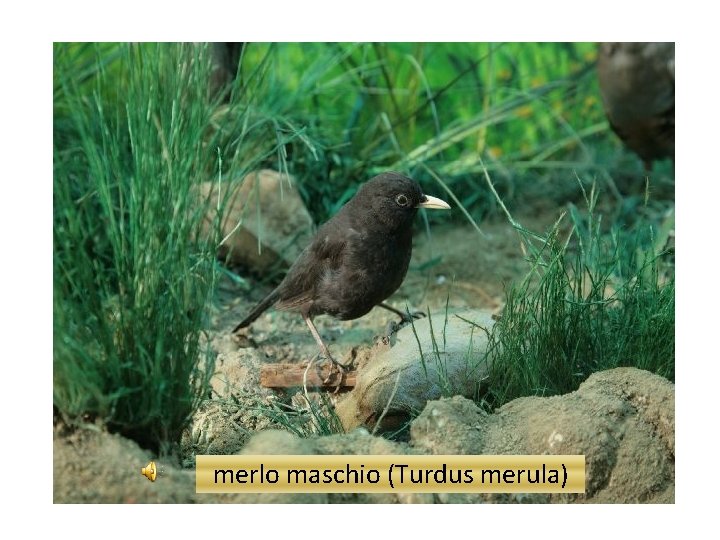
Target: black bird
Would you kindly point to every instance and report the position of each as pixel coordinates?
(357, 259)
(637, 84)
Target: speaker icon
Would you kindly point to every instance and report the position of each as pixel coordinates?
(149, 471)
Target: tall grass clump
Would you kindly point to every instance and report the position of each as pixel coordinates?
(593, 300)
(132, 273)
(137, 129)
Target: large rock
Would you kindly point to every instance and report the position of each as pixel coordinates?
(93, 466)
(622, 420)
(259, 238)
(452, 363)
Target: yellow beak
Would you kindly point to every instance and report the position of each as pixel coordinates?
(433, 203)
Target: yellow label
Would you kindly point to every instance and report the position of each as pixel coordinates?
(390, 474)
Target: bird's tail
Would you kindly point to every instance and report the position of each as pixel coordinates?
(258, 310)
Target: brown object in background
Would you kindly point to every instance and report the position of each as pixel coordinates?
(226, 61)
(637, 85)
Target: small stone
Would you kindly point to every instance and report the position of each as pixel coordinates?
(259, 239)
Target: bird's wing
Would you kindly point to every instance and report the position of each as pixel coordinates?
(321, 258)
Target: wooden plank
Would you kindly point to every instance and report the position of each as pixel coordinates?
(291, 375)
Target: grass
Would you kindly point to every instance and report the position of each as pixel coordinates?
(135, 135)
(132, 272)
(315, 417)
(592, 300)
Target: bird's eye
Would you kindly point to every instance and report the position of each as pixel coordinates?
(401, 200)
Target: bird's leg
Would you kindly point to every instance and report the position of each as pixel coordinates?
(319, 341)
(323, 348)
(404, 316)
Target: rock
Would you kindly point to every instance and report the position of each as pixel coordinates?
(622, 420)
(453, 362)
(275, 442)
(236, 369)
(277, 234)
(98, 467)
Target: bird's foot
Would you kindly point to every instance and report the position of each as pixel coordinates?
(405, 318)
(336, 369)
(408, 317)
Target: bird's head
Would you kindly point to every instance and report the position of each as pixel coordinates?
(393, 199)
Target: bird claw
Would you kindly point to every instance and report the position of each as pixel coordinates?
(336, 368)
(406, 318)
(409, 317)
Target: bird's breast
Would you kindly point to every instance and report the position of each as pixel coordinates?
(373, 268)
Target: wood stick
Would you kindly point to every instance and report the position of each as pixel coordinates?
(290, 375)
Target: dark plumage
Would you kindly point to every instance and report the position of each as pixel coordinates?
(357, 259)
(637, 84)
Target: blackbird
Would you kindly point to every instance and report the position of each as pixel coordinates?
(637, 85)
(357, 259)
